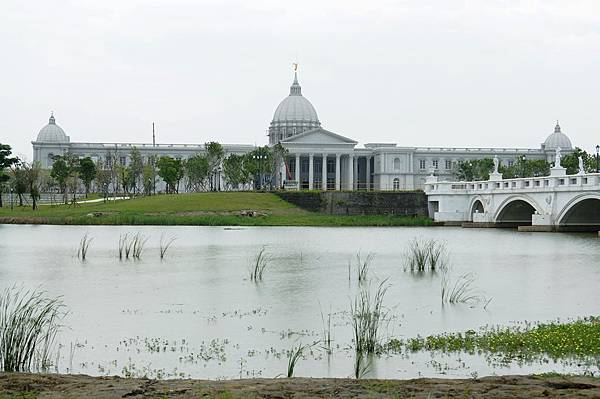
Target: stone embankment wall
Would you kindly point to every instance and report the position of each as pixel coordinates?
(402, 203)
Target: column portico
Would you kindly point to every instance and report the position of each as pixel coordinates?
(350, 172)
(311, 171)
(324, 173)
(368, 179)
(297, 170)
(337, 171)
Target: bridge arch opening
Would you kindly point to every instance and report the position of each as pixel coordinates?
(477, 207)
(583, 215)
(516, 213)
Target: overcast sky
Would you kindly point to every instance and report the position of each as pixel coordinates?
(417, 73)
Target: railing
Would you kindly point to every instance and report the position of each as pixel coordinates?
(589, 181)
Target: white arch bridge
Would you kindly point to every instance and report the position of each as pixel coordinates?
(558, 202)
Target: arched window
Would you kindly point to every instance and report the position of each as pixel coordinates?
(396, 183)
(396, 163)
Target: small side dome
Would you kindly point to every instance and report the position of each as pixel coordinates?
(558, 139)
(52, 133)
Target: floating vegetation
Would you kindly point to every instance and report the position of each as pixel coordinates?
(29, 322)
(165, 243)
(260, 263)
(460, 290)
(84, 245)
(579, 339)
(367, 316)
(426, 255)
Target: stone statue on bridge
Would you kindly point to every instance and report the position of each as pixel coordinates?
(557, 158)
(581, 167)
(496, 163)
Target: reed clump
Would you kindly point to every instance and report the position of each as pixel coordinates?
(84, 245)
(131, 246)
(363, 264)
(367, 317)
(327, 339)
(165, 244)
(29, 322)
(426, 255)
(459, 290)
(259, 264)
(362, 364)
(293, 356)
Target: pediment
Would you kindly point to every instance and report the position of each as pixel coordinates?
(318, 136)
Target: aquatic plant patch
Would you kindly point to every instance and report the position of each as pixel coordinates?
(578, 339)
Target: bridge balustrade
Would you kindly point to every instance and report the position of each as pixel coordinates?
(543, 183)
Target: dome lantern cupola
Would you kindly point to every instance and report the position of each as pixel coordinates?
(295, 89)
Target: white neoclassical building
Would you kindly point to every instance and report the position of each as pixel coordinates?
(317, 159)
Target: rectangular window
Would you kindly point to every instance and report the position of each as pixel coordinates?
(422, 164)
(435, 164)
(511, 162)
(448, 165)
(123, 161)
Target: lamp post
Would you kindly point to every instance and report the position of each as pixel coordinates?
(218, 178)
(523, 166)
(597, 158)
(260, 158)
(11, 198)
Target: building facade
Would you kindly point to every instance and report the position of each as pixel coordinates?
(318, 159)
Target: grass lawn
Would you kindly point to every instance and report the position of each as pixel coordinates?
(213, 209)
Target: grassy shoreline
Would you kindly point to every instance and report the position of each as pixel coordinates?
(199, 209)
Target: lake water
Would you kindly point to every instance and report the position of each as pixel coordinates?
(197, 314)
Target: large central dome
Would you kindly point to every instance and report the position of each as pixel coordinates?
(52, 133)
(294, 115)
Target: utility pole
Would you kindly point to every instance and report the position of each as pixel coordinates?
(153, 160)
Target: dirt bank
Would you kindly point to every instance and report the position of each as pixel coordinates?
(31, 386)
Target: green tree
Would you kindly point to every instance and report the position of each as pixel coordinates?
(475, 169)
(87, 173)
(149, 176)
(19, 182)
(171, 171)
(136, 169)
(6, 162)
(60, 172)
(103, 179)
(525, 168)
(571, 161)
(197, 170)
(279, 155)
(124, 178)
(234, 170)
(260, 165)
(32, 181)
(65, 170)
(214, 154)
